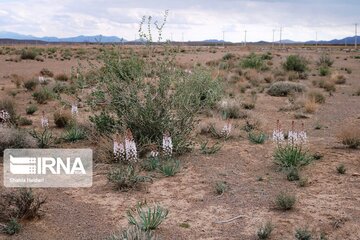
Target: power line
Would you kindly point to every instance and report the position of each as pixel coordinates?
(273, 38)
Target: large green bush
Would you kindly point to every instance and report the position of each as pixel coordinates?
(295, 63)
(151, 98)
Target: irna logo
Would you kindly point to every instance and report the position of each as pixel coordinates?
(46, 165)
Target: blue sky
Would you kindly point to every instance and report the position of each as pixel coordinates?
(196, 19)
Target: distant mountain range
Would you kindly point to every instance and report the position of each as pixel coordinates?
(115, 39)
(78, 39)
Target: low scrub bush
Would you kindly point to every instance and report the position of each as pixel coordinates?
(285, 88)
(254, 61)
(8, 105)
(221, 187)
(338, 78)
(285, 201)
(341, 169)
(265, 231)
(43, 95)
(62, 119)
(147, 217)
(15, 138)
(44, 138)
(325, 60)
(30, 54)
(74, 133)
(303, 234)
(324, 71)
(295, 63)
(12, 227)
(317, 96)
(207, 149)
(125, 178)
(31, 109)
(350, 136)
(31, 84)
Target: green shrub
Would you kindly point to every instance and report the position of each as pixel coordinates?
(228, 56)
(133, 233)
(43, 95)
(257, 137)
(303, 234)
(150, 108)
(169, 167)
(253, 61)
(205, 149)
(324, 71)
(31, 84)
(291, 156)
(295, 63)
(44, 137)
(285, 88)
(125, 177)
(31, 109)
(12, 227)
(103, 122)
(292, 174)
(341, 169)
(151, 163)
(264, 231)
(221, 187)
(28, 54)
(74, 133)
(147, 217)
(285, 201)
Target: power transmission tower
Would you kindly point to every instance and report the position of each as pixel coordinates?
(355, 35)
(245, 38)
(182, 37)
(171, 37)
(273, 38)
(316, 39)
(280, 41)
(223, 38)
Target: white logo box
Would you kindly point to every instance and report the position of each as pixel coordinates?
(43, 168)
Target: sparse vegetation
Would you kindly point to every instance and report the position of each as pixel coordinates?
(303, 234)
(350, 136)
(265, 231)
(147, 217)
(31, 109)
(221, 187)
(341, 169)
(31, 84)
(285, 201)
(125, 178)
(280, 89)
(295, 63)
(43, 95)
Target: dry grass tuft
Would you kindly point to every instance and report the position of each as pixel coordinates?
(350, 136)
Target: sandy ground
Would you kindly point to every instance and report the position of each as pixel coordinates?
(329, 204)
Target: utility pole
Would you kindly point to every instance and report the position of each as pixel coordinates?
(316, 39)
(182, 37)
(280, 36)
(273, 39)
(223, 38)
(355, 35)
(245, 38)
(171, 37)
